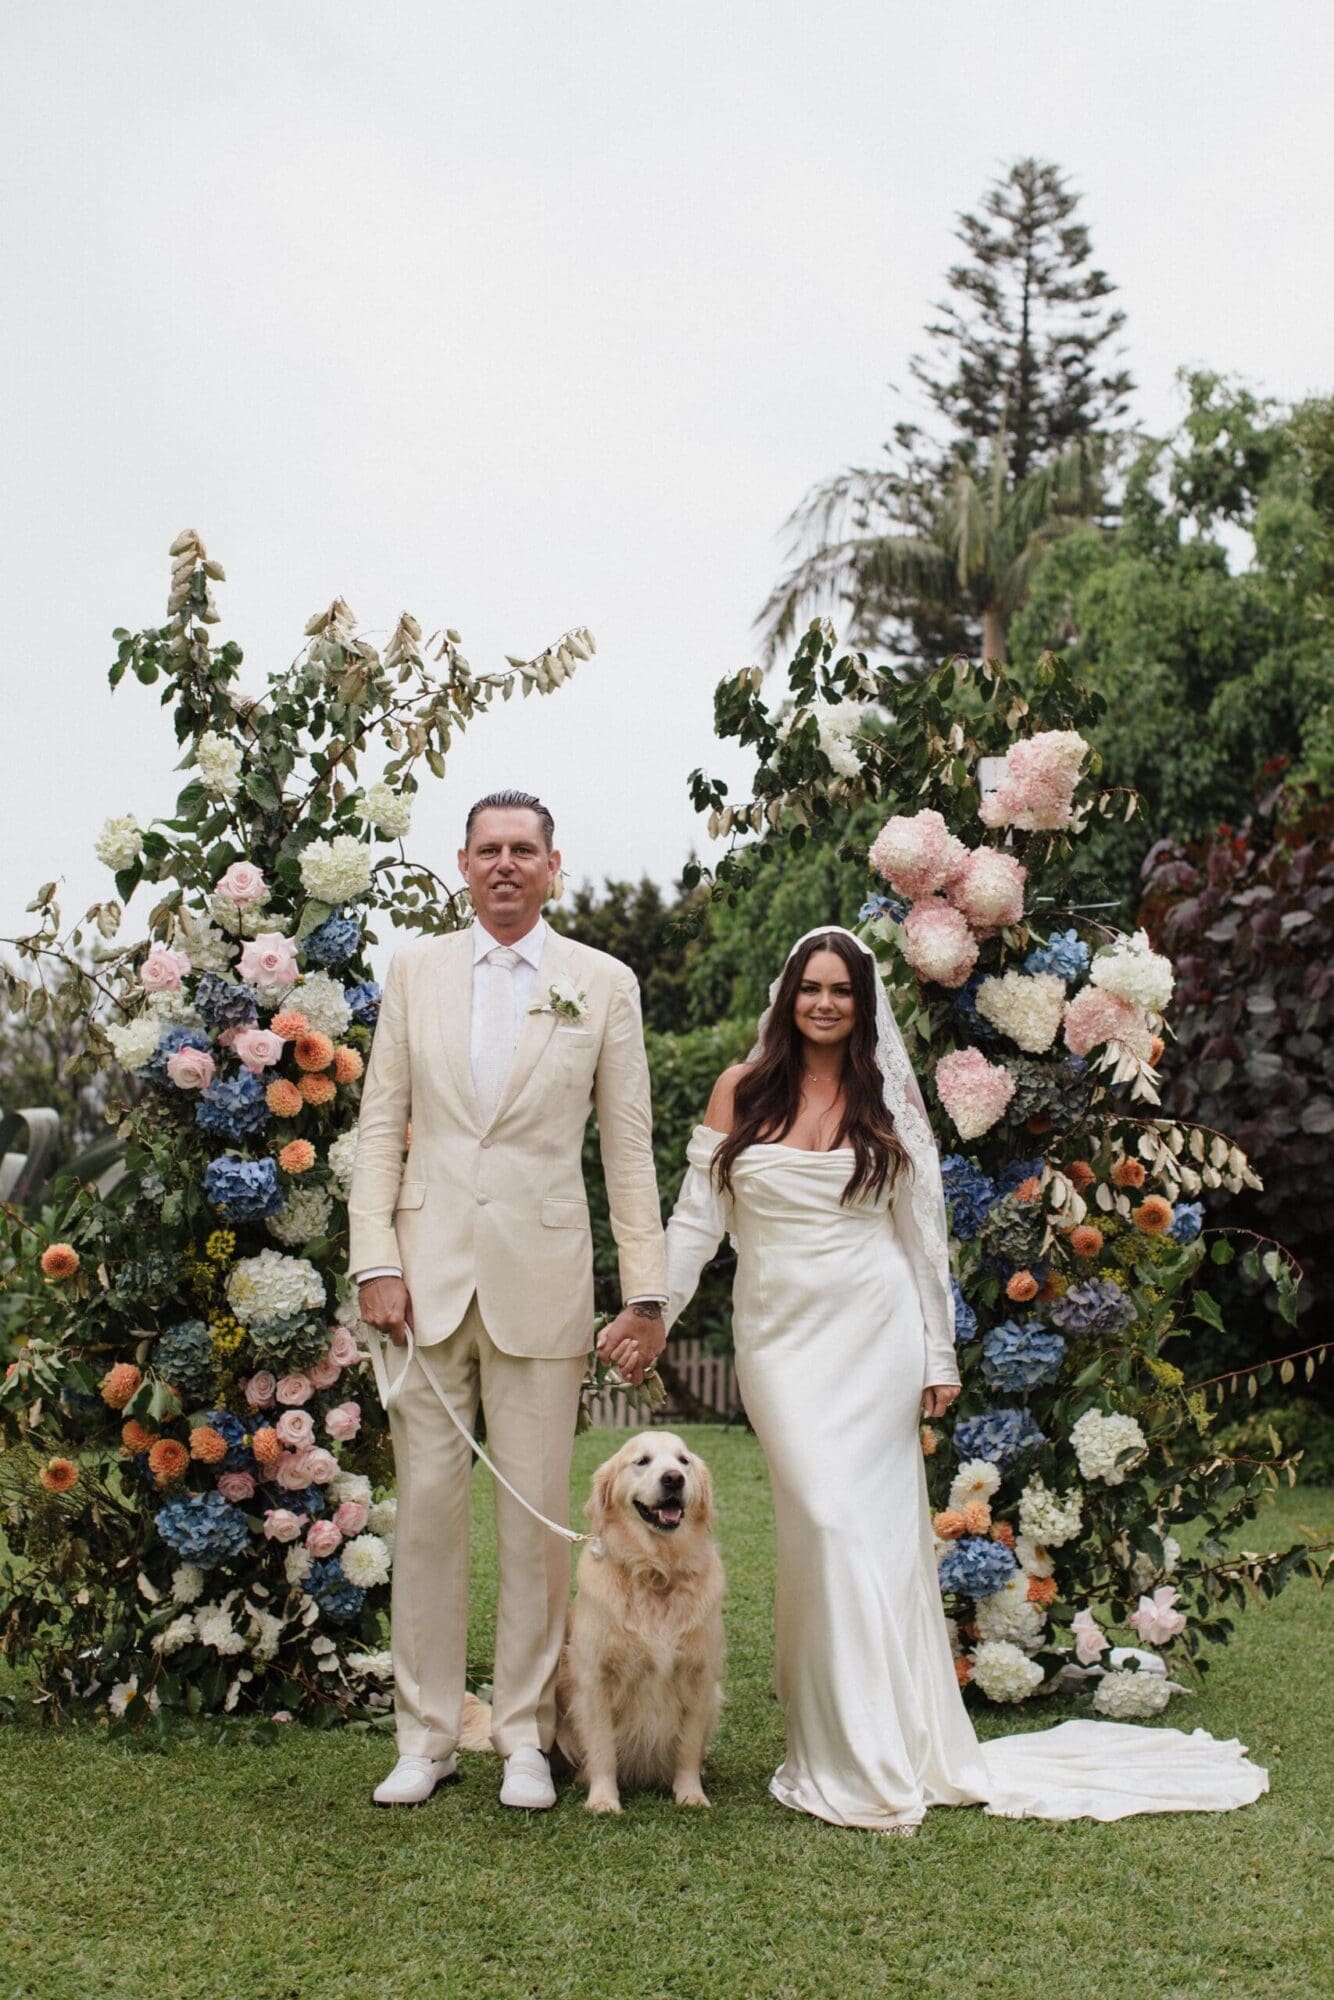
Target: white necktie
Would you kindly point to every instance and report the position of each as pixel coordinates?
(495, 1050)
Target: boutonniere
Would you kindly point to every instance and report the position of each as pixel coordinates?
(565, 1000)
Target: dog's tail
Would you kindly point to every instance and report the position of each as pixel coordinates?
(476, 1731)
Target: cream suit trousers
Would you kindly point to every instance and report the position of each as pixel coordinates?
(530, 1407)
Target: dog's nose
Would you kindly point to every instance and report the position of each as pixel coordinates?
(672, 1482)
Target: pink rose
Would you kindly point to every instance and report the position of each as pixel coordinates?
(269, 960)
(236, 1486)
(163, 969)
(321, 1466)
(1088, 1637)
(191, 1069)
(258, 1049)
(281, 1524)
(343, 1349)
(259, 1390)
(295, 1389)
(293, 1473)
(322, 1538)
(351, 1517)
(243, 884)
(324, 1374)
(1156, 1621)
(296, 1428)
(343, 1421)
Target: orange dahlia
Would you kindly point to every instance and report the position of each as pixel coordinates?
(1086, 1241)
(929, 1441)
(1080, 1174)
(207, 1445)
(58, 1475)
(317, 1089)
(949, 1525)
(1029, 1189)
(1053, 1287)
(313, 1050)
(168, 1460)
(135, 1437)
(297, 1156)
(347, 1064)
(283, 1098)
(1128, 1174)
(267, 1445)
(1001, 1531)
(1153, 1216)
(59, 1260)
(119, 1384)
(1156, 1047)
(1041, 1589)
(289, 1024)
(963, 1668)
(1022, 1287)
(976, 1517)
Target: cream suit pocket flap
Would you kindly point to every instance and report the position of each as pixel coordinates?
(411, 1195)
(561, 1213)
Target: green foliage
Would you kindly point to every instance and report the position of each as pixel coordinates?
(635, 924)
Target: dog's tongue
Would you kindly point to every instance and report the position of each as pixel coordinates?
(669, 1512)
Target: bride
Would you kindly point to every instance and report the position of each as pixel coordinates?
(817, 1159)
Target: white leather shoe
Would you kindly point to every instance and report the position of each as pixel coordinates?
(528, 1782)
(412, 1781)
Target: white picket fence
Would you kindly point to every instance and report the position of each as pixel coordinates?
(709, 1378)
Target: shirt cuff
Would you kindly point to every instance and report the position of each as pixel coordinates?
(649, 1299)
(378, 1271)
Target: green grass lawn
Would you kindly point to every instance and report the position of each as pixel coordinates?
(263, 1872)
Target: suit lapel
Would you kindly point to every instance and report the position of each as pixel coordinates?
(454, 1000)
(537, 1029)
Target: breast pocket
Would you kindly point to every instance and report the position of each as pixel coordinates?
(574, 1055)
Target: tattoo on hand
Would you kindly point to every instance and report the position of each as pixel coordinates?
(647, 1309)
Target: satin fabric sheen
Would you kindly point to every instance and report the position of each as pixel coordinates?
(830, 1359)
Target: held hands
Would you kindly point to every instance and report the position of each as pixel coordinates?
(633, 1340)
(384, 1303)
(937, 1399)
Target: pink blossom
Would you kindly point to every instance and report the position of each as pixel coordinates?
(973, 1091)
(1088, 1636)
(343, 1349)
(320, 1465)
(1094, 1017)
(343, 1421)
(917, 854)
(293, 1390)
(351, 1517)
(296, 1429)
(282, 1525)
(163, 970)
(1155, 1620)
(293, 1472)
(990, 889)
(191, 1069)
(1037, 789)
(324, 1373)
(269, 962)
(938, 943)
(323, 1538)
(258, 1049)
(243, 884)
(259, 1389)
(236, 1486)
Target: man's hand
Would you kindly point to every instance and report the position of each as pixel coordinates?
(937, 1399)
(384, 1303)
(633, 1340)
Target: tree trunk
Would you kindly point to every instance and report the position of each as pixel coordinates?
(993, 634)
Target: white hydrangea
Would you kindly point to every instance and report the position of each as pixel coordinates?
(350, 1486)
(1007, 1614)
(134, 1043)
(388, 811)
(371, 1666)
(297, 1563)
(976, 1479)
(837, 723)
(320, 998)
(265, 1632)
(1144, 1569)
(215, 1628)
(1050, 1518)
(123, 1693)
(1025, 1006)
(1098, 1440)
(218, 762)
(174, 1008)
(1133, 971)
(187, 1584)
(1032, 1557)
(179, 1633)
(383, 1516)
(303, 1216)
(342, 1158)
(1127, 1697)
(337, 870)
(272, 1286)
(206, 947)
(240, 922)
(119, 843)
(365, 1561)
(1004, 1672)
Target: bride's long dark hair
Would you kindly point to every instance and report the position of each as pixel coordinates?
(768, 1095)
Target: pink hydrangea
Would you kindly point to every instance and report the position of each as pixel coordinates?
(1156, 1620)
(257, 1048)
(323, 1538)
(343, 1421)
(343, 1349)
(351, 1517)
(296, 1429)
(163, 970)
(917, 854)
(282, 1525)
(1037, 790)
(938, 943)
(191, 1069)
(269, 962)
(236, 1487)
(989, 889)
(259, 1390)
(1094, 1017)
(973, 1091)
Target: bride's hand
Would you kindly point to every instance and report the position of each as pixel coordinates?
(937, 1399)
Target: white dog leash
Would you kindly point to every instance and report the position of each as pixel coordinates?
(389, 1395)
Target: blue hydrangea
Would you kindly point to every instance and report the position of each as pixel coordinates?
(233, 1108)
(1018, 1171)
(964, 1002)
(234, 1433)
(998, 1435)
(339, 1600)
(1187, 1222)
(243, 1190)
(364, 1000)
(1020, 1354)
(203, 1528)
(877, 905)
(336, 940)
(1098, 1306)
(226, 1003)
(965, 1319)
(307, 1500)
(969, 1193)
(172, 1039)
(183, 1358)
(976, 1566)
(1064, 953)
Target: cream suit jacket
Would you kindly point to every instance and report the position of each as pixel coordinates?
(500, 1209)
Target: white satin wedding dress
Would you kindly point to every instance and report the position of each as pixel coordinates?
(832, 1356)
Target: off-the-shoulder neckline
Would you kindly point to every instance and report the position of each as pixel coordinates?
(814, 1152)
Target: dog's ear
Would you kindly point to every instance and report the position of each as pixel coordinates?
(599, 1500)
(704, 1482)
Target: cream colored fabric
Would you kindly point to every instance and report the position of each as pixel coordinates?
(497, 1205)
(498, 1031)
(831, 1359)
(531, 1407)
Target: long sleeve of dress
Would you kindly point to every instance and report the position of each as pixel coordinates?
(942, 1367)
(698, 1224)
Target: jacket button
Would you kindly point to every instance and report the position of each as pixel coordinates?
(487, 1140)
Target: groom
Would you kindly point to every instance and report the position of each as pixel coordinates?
(496, 1042)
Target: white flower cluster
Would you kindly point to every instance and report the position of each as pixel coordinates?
(341, 1157)
(1050, 1518)
(1099, 1441)
(218, 762)
(214, 1627)
(1126, 1697)
(265, 1632)
(365, 1561)
(297, 1563)
(371, 1666)
(388, 811)
(1133, 971)
(337, 870)
(1007, 1614)
(123, 1693)
(321, 999)
(1025, 1006)
(382, 1518)
(135, 1042)
(207, 949)
(179, 1633)
(976, 1479)
(837, 723)
(118, 844)
(1032, 1557)
(1004, 1672)
(187, 1584)
(272, 1286)
(303, 1215)
(350, 1486)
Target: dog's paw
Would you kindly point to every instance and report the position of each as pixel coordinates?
(690, 1795)
(602, 1802)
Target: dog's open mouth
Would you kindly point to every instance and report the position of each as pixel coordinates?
(666, 1517)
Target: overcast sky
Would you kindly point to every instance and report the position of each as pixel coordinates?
(531, 315)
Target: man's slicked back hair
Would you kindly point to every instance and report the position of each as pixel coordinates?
(512, 802)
